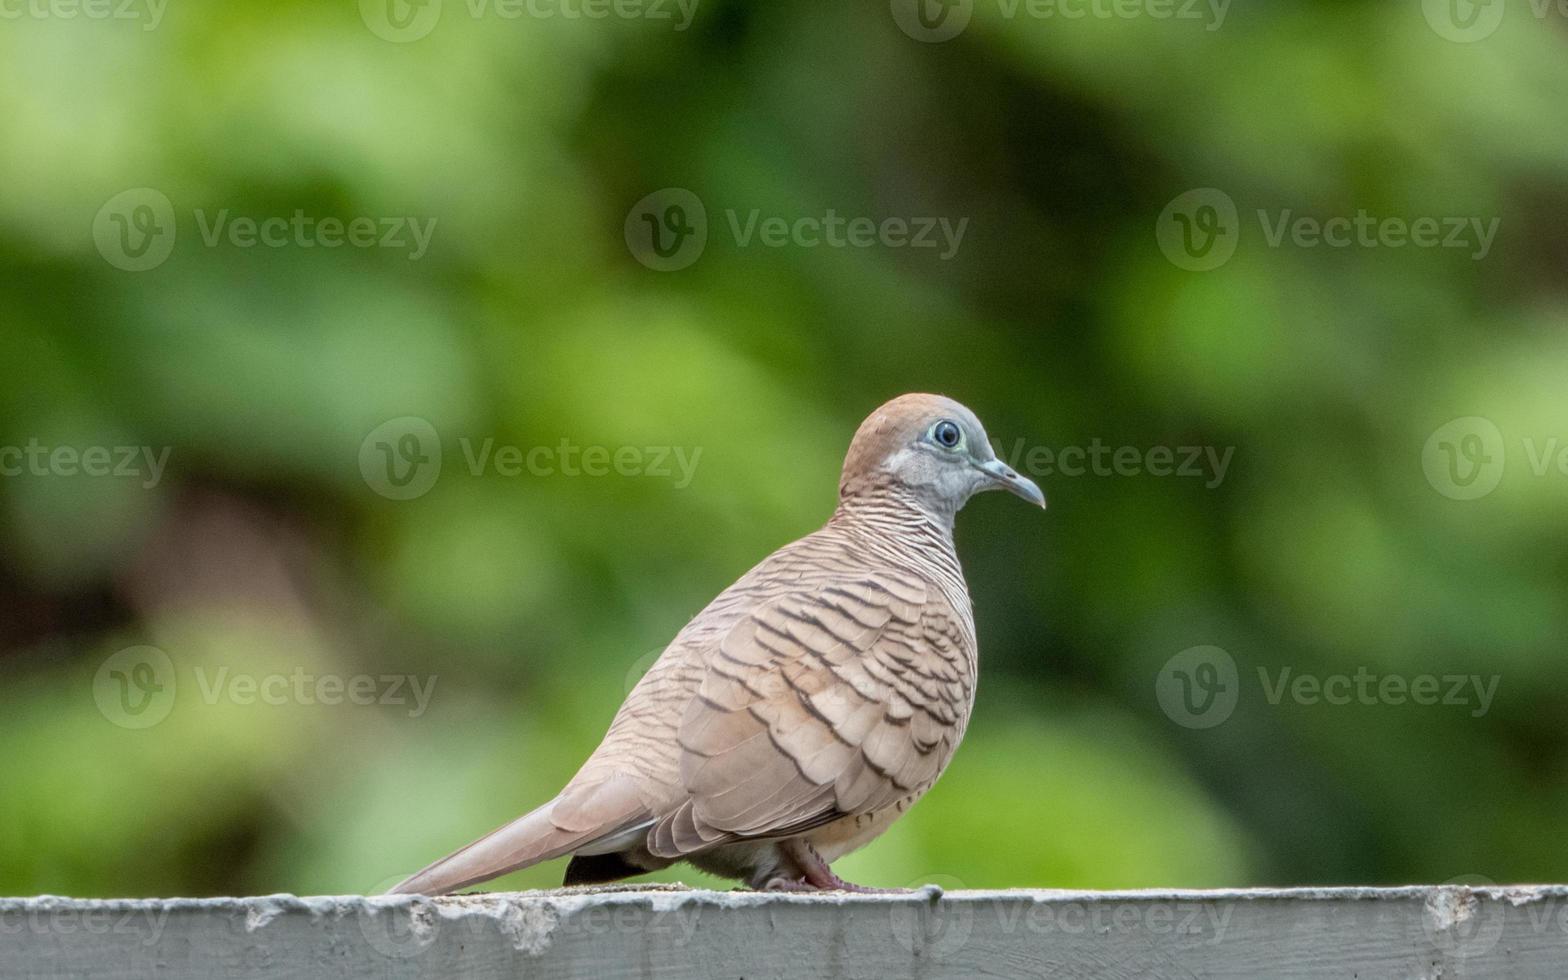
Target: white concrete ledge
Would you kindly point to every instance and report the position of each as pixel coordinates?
(607, 933)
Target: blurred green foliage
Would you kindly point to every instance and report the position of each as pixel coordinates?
(532, 602)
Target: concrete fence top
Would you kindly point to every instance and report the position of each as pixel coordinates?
(1443, 931)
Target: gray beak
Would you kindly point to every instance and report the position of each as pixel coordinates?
(1004, 477)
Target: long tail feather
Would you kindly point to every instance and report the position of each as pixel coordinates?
(527, 840)
(578, 818)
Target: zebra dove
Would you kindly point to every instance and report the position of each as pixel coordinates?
(807, 707)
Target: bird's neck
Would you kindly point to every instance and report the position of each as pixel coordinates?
(895, 514)
(895, 525)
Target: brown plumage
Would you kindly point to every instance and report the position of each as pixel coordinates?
(807, 707)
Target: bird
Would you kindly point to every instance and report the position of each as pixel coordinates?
(807, 707)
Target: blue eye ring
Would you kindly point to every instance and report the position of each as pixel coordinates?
(947, 434)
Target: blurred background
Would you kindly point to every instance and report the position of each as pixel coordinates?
(385, 385)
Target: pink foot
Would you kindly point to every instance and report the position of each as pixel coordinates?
(817, 876)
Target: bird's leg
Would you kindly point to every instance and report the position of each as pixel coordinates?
(780, 884)
(815, 873)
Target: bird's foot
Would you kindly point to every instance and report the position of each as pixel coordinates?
(816, 876)
(801, 885)
(789, 885)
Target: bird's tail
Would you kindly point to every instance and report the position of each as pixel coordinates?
(577, 818)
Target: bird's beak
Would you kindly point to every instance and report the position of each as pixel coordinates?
(1004, 477)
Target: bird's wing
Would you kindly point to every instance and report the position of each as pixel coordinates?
(834, 700)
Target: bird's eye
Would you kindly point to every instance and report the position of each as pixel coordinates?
(946, 434)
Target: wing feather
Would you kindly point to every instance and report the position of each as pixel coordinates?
(819, 704)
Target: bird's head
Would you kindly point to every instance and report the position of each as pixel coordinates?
(934, 448)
